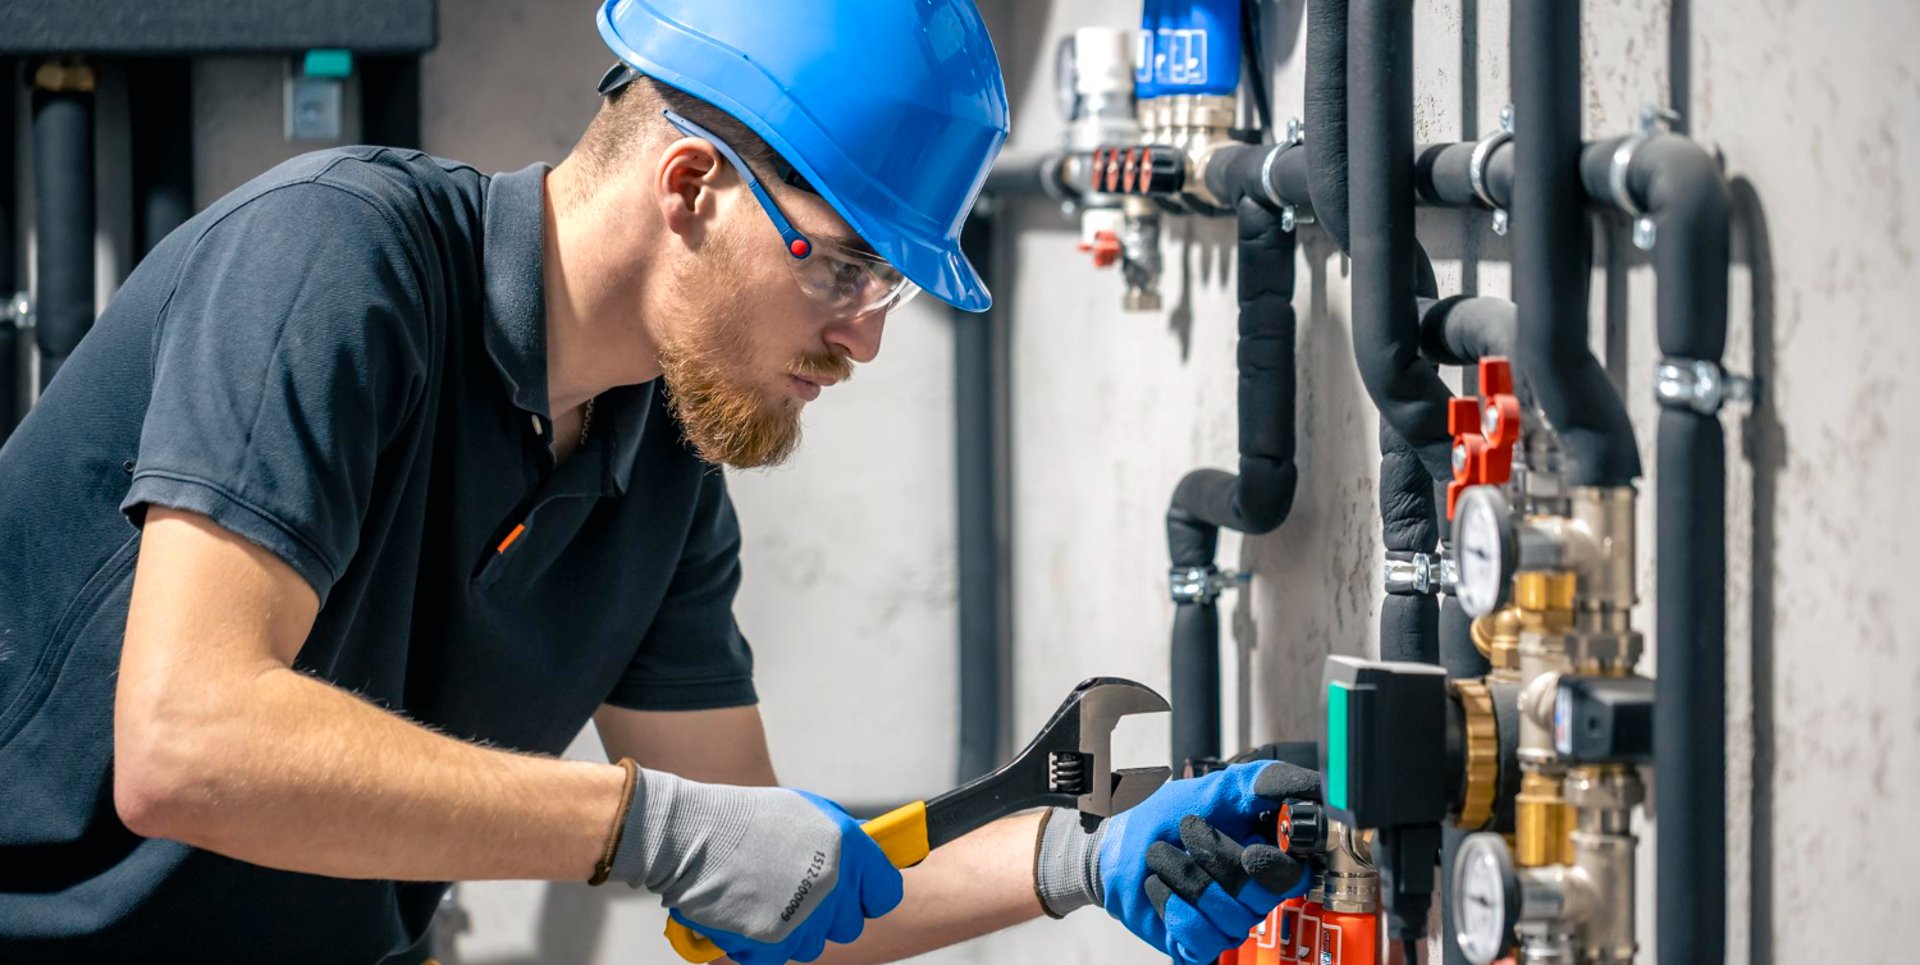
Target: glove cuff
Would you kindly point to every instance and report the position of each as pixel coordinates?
(1066, 863)
(675, 828)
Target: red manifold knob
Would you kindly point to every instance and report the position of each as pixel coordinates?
(1105, 249)
(1485, 430)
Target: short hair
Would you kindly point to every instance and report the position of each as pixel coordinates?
(630, 120)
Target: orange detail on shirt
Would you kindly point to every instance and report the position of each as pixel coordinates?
(517, 530)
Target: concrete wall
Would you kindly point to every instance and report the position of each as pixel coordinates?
(1816, 109)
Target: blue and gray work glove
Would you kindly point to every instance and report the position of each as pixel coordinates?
(770, 874)
(1188, 869)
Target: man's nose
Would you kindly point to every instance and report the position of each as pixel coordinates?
(858, 338)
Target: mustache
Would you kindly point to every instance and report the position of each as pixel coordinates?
(828, 366)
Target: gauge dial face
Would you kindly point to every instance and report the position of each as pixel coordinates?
(1484, 903)
(1066, 77)
(1483, 531)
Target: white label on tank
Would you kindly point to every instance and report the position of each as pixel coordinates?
(1182, 57)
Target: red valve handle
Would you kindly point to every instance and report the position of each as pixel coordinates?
(1485, 430)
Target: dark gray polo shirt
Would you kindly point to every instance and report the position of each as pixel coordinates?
(343, 361)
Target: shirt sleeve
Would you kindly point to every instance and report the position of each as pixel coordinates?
(289, 352)
(694, 657)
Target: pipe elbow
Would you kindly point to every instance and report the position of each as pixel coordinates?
(1274, 486)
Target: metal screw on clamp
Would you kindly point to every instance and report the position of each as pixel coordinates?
(18, 311)
(1700, 385)
(1419, 573)
(1203, 584)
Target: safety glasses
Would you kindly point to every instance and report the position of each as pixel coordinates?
(846, 282)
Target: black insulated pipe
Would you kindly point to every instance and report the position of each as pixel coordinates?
(1552, 250)
(12, 398)
(390, 100)
(1266, 172)
(1676, 183)
(160, 113)
(1463, 329)
(64, 215)
(1326, 115)
(1028, 176)
(985, 671)
(1407, 390)
(1409, 622)
(1254, 501)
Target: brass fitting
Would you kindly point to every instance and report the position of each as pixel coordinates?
(1545, 599)
(1198, 125)
(1497, 637)
(1543, 823)
(1482, 778)
(65, 74)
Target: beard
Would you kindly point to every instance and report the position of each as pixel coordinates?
(726, 416)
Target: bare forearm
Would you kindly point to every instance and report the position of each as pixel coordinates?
(976, 885)
(289, 772)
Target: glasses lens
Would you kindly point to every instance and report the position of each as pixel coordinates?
(851, 283)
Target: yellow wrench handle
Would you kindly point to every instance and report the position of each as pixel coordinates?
(901, 833)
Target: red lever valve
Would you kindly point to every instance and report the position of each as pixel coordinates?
(1105, 248)
(1485, 430)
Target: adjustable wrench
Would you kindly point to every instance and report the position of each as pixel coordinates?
(1070, 764)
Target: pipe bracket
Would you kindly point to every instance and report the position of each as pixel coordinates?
(1203, 584)
(1654, 120)
(1699, 385)
(1477, 168)
(1290, 216)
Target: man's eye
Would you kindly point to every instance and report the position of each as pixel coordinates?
(847, 272)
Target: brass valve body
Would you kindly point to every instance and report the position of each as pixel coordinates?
(1545, 600)
(65, 74)
(1543, 823)
(1497, 637)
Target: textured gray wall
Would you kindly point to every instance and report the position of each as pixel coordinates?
(1816, 109)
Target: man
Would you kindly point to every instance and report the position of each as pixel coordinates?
(379, 478)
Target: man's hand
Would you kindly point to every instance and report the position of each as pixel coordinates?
(770, 874)
(1187, 869)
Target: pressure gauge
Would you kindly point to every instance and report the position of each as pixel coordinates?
(1486, 548)
(1486, 898)
(1066, 79)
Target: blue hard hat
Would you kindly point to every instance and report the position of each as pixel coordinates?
(892, 109)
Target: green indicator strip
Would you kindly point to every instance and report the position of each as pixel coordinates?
(1336, 790)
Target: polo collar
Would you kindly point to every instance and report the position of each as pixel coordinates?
(516, 294)
(516, 324)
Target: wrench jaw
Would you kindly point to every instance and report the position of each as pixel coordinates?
(1102, 702)
(1131, 785)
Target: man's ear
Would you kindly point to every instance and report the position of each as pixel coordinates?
(684, 183)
